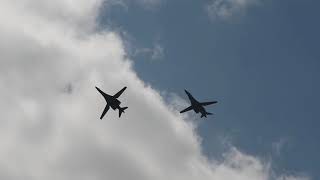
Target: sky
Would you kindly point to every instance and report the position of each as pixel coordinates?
(257, 58)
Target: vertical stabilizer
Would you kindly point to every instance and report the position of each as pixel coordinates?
(121, 110)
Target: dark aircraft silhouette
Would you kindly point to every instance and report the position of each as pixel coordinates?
(197, 106)
(112, 102)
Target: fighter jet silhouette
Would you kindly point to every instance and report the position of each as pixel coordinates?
(197, 106)
(112, 102)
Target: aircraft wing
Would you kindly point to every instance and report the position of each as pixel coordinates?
(208, 103)
(104, 111)
(187, 109)
(119, 93)
(100, 91)
(189, 95)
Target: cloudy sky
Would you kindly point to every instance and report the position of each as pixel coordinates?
(258, 58)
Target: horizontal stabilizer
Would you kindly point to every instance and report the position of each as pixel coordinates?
(121, 110)
(205, 114)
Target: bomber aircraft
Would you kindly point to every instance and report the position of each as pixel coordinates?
(112, 102)
(197, 106)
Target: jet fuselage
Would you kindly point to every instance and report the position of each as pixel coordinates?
(112, 102)
(197, 107)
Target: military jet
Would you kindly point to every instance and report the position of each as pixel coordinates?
(112, 102)
(197, 106)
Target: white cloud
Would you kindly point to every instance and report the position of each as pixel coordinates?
(51, 57)
(290, 177)
(279, 145)
(154, 53)
(228, 9)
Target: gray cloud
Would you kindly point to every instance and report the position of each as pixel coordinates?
(46, 133)
(229, 9)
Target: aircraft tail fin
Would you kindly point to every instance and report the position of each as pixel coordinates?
(205, 114)
(121, 110)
